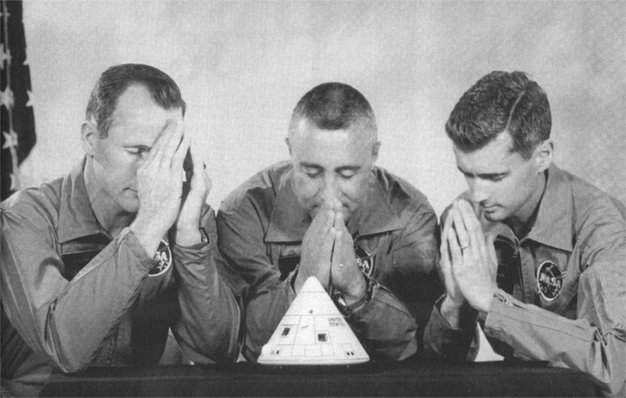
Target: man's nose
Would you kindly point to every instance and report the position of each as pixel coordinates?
(329, 190)
(479, 190)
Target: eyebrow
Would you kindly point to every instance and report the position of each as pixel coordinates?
(484, 175)
(338, 169)
(311, 165)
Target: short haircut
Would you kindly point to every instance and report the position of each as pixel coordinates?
(334, 106)
(501, 101)
(116, 79)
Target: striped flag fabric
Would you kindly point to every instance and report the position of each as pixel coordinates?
(17, 118)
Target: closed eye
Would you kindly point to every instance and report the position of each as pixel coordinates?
(493, 177)
(347, 172)
(312, 171)
(137, 150)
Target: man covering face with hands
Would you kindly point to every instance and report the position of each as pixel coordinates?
(99, 265)
(367, 235)
(531, 252)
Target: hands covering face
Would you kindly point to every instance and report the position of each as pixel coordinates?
(468, 259)
(160, 187)
(328, 254)
(188, 222)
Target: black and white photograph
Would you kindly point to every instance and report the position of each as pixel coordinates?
(313, 198)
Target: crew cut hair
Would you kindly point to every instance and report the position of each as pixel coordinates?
(116, 79)
(498, 102)
(334, 106)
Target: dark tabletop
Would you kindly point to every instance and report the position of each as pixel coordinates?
(372, 379)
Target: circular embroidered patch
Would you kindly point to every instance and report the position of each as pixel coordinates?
(549, 280)
(164, 258)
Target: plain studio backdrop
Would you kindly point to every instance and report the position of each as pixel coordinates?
(243, 65)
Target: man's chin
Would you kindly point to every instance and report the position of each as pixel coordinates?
(495, 215)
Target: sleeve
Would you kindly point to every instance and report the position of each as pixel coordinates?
(440, 338)
(66, 321)
(385, 326)
(210, 305)
(391, 323)
(443, 340)
(240, 241)
(594, 343)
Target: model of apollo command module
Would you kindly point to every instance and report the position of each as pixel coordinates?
(313, 332)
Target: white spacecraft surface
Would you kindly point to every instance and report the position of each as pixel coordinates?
(313, 332)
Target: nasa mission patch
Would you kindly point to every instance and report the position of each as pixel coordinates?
(549, 280)
(365, 260)
(163, 257)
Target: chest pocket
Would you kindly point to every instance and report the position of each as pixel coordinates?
(288, 259)
(287, 264)
(74, 262)
(79, 252)
(508, 267)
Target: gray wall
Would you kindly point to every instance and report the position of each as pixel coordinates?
(242, 66)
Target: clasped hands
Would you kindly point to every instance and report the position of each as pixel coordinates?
(468, 262)
(160, 191)
(328, 254)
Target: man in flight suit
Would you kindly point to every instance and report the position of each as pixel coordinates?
(531, 252)
(98, 265)
(367, 235)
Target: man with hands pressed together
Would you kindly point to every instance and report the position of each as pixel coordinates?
(531, 252)
(328, 254)
(98, 265)
(367, 235)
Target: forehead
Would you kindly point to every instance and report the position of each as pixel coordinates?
(136, 115)
(495, 157)
(331, 148)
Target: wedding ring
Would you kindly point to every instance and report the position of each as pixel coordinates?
(341, 265)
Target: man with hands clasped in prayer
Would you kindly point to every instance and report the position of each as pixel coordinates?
(328, 253)
(532, 253)
(329, 212)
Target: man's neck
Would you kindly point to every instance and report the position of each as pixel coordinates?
(523, 222)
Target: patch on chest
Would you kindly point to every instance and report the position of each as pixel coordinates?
(364, 260)
(549, 280)
(163, 257)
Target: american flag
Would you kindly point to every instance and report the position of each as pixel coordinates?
(18, 120)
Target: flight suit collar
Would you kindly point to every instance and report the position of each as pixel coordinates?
(76, 218)
(553, 225)
(289, 221)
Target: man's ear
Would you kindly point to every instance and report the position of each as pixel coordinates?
(89, 135)
(543, 155)
(375, 151)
